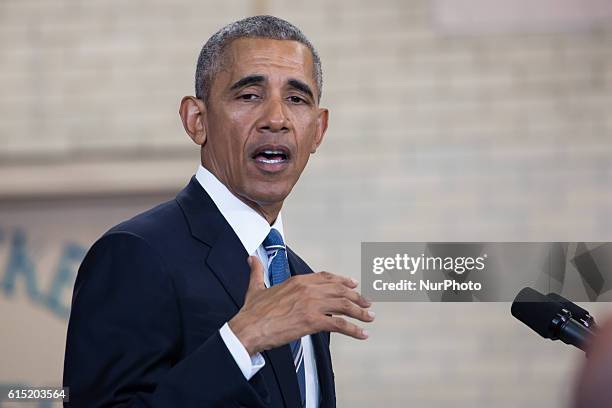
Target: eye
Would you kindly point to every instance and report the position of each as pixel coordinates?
(296, 99)
(248, 97)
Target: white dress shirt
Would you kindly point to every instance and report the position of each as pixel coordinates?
(251, 228)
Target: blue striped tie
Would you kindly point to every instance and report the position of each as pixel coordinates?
(278, 269)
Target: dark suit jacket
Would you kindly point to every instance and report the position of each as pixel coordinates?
(149, 299)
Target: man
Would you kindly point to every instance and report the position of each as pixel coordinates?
(169, 309)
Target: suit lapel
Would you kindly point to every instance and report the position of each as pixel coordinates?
(227, 260)
(320, 344)
(227, 257)
(284, 370)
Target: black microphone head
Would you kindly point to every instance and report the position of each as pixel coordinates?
(576, 311)
(536, 311)
(579, 314)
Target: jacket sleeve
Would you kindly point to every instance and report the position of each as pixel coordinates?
(124, 338)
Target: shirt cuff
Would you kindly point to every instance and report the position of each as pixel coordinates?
(247, 364)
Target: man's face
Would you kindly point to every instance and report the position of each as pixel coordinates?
(262, 119)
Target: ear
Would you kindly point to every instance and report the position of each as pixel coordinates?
(321, 128)
(193, 116)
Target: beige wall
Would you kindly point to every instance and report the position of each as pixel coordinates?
(434, 136)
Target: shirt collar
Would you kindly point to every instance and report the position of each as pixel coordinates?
(250, 227)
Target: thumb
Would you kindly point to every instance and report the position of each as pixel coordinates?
(257, 273)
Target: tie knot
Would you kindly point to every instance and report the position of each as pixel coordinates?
(274, 240)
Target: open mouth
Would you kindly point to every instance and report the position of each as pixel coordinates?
(271, 155)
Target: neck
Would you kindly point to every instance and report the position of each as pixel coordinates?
(268, 211)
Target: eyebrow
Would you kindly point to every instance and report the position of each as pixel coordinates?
(257, 79)
(247, 80)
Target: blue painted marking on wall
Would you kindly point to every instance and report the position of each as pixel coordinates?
(21, 265)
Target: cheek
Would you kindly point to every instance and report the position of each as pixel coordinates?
(305, 123)
(231, 135)
(237, 115)
(304, 152)
(307, 143)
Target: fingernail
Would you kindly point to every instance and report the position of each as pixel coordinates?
(371, 313)
(249, 260)
(355, 282)
(367, 300)
(365, 333)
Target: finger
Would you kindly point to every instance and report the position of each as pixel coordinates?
(340, 291)
(257, 273)
(340, 325)
(343, 306)
(328, 277)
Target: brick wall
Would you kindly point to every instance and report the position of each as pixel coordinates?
(433, 136)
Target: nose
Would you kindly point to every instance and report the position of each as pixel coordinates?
(273, 117)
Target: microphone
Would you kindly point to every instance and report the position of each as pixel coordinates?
(581, 315)
(549, 318)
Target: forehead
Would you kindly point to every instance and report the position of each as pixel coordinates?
(246, 56)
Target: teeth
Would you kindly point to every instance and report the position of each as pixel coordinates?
(270, 161)
(273, 152)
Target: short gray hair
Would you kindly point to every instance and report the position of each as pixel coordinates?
(210, 59)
